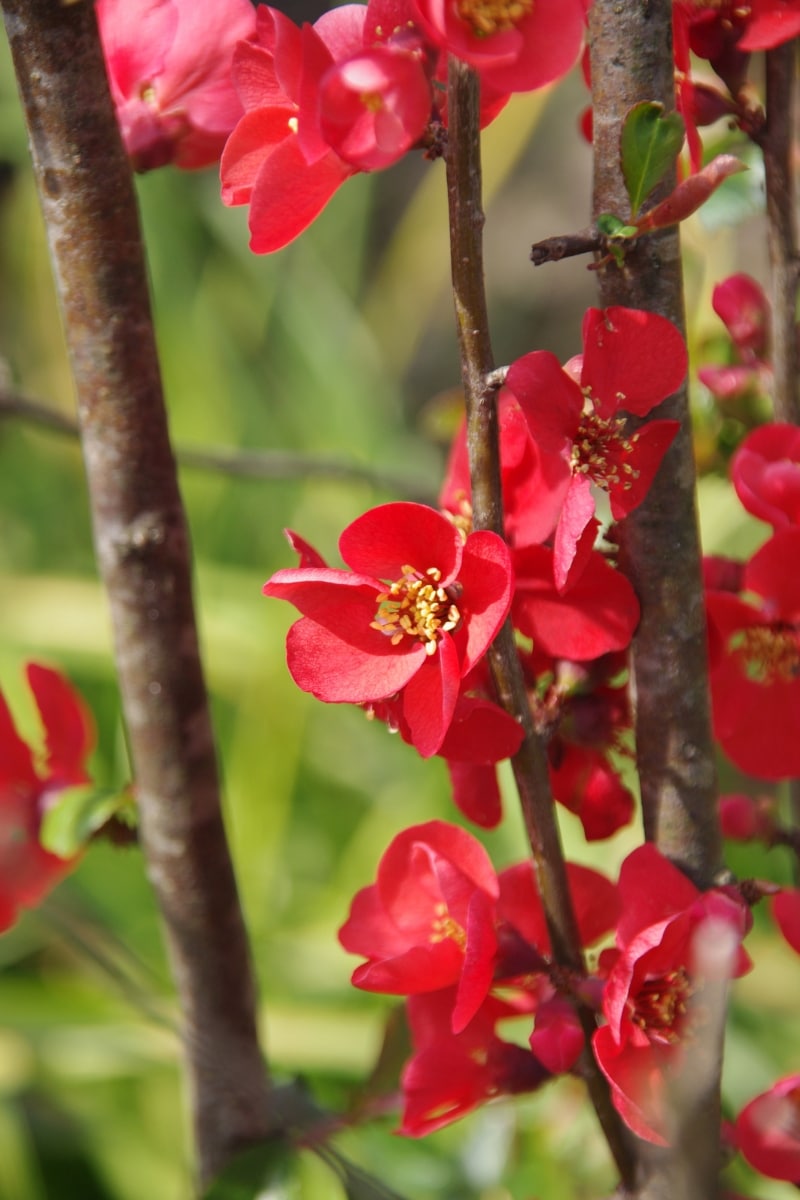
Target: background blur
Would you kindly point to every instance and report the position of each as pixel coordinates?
(341, 346)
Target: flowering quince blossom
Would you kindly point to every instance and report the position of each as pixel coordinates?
(428, 921)
(441, 928)
(516, 45)
(741, 304)
(755, 662)
(169, 70)
(480, 734)
(632, 360)
(362, 639)
(594, 721)
(27, 870)
(766, 474)
(768, 1131)
(350, 93)
(661, 964)
(451, 1074)
(534, 483)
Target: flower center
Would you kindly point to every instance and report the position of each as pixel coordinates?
(767, 653)
(444, 927)
(417, 606)
(661, 1004)
(601, 448)
(486, 17)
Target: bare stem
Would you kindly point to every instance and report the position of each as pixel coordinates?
(530, 764)
(777, 143)
(143, 553)
(631, 46)
(241, 464)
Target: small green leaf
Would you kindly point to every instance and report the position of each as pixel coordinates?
(77, 813)
(613, 226)
(651, 140)
(260, 1172)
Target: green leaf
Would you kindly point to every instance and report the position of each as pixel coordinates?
(77, 814)
(260, 1172)
(611, 225)
(651, 140)
(358, 1184)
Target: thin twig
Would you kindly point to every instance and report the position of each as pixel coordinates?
(530, 763)
(142, 544)
(567, 245)
(242, 464)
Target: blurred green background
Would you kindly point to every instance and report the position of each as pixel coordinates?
(341, 345)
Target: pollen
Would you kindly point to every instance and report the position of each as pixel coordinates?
(768, 653)
(486, 17)
(661, 1005)
(417, 606)
(601, 449)
(372, 101)
(444, 927)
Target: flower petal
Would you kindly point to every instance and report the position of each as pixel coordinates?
(386, 539)
(632, 360)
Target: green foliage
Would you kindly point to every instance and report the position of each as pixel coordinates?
(650, 143)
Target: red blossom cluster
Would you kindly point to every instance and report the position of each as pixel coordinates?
(754, 614)
(470, 949)
(29, 786)
(307, 107)
(363, 85)
(405, 630)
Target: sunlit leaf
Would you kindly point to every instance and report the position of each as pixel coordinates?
(650, 142)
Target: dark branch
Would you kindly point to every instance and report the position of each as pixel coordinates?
(142, 546)
(568, 245)
(778, 144)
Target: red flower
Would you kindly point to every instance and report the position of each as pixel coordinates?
(766, 474)
(768, 1131)
(169, 70)
(428, 921)
(755, 667)
(451, 1074)
(786, 911)
(745, 819)
(664, 960)
(770, 24)
(597, 615)
(376, 105)
(362, 640)
(632, 361)
(594, 897)
(534, 483)
(517, 45)
(27, 871)
(480, 735)
(322, 102)
(280, 167)
(741, 304)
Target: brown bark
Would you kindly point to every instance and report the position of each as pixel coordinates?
(777, 143)
(631, 48)
(143, 552)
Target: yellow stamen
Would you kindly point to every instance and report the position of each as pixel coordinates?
(416, 606)
(486, 17)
